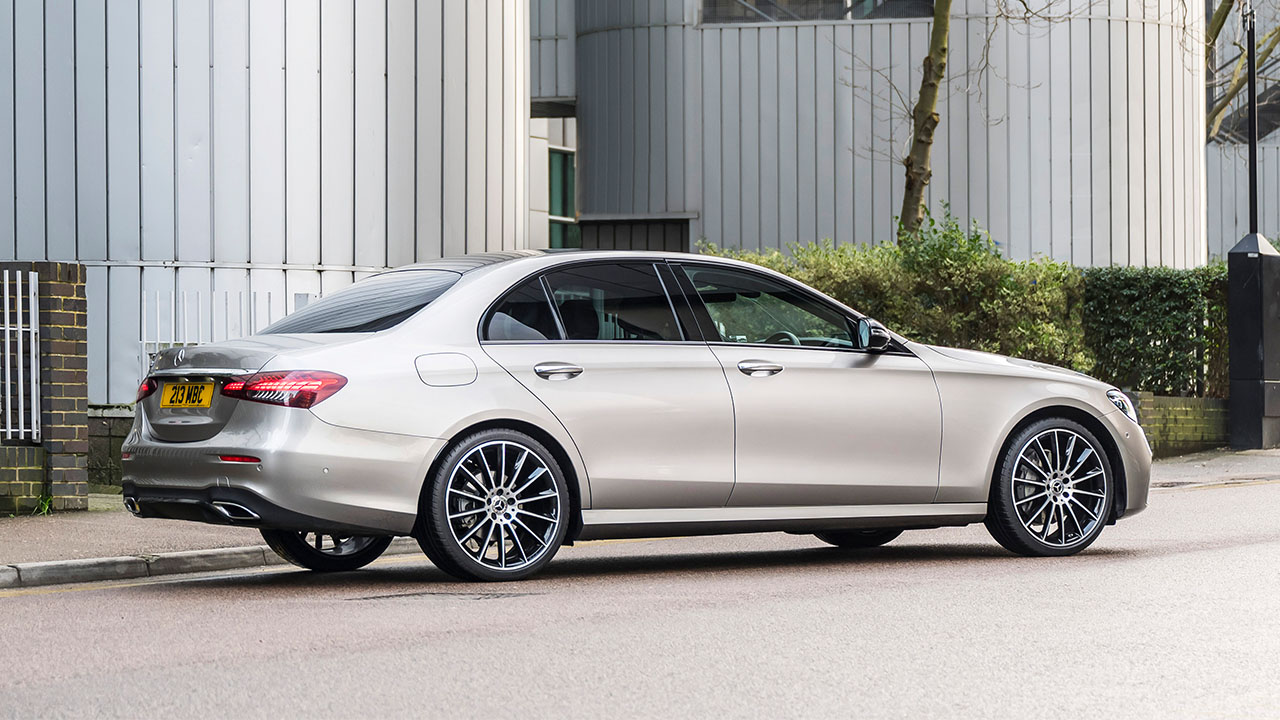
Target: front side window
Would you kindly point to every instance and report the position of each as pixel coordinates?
(524, 315)
(613, 302)
(748, 308)
(370, 305)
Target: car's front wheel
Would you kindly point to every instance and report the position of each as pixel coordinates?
(496, 508)
(326, 552)
(1053, 493)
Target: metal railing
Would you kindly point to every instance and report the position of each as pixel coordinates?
(182, 318)
(20, 382)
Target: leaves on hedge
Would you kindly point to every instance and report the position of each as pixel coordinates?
(1156, 329)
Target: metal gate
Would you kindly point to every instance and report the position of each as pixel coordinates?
(20, 360)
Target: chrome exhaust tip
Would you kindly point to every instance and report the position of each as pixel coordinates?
(131, 505)
(235, 511)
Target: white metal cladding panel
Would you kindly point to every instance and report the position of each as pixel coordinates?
(552, 35)
(1227, 183)
(1078, 140)
(316, 139)
(7, 188)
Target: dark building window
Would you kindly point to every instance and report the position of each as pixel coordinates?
(765, 11)
(564, 222)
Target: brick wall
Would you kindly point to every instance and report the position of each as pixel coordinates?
(1179, 425)
(21, 478)
(109, 425)
(64, 384)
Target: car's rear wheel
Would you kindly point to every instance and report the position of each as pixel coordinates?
(326, 552)
(496, 508)
(858, 538)
(1053, 493)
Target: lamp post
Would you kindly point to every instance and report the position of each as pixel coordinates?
(1253, 303)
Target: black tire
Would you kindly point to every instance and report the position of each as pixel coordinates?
(1081, 513)
(340, 553)
(529, 509)
(852, 539)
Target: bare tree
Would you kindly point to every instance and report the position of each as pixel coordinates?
(925, 119)
(1214, 29)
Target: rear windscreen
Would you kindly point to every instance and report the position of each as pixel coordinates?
(373, 304)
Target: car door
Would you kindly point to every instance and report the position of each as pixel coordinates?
(818, 420)
(600, 345)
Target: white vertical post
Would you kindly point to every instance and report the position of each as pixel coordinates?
(33, 325)
(22, 391)
(8, 412)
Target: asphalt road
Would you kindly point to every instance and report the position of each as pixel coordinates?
(1173, 613)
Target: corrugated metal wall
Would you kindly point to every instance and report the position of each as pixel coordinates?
(551, 49)
(175, 144)
(1079, 139)
(1227, 170)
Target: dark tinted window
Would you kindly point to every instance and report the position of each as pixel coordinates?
(747, 308)
(373, 304)
(613, 302)
(524, 314)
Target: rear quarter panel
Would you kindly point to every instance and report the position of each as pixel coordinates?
(385, 392)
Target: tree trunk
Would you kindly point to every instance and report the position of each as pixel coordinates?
(1214, 116)
(925, 118)
(1215, 28)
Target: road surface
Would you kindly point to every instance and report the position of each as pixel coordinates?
(1173, 613)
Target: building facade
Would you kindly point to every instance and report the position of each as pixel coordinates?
(1077, 136)
(215, 162)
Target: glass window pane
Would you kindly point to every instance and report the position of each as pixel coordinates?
(373, 304)
(613, 302)
(525, 314)
(771, 11)
(748, 308)
(556, 181)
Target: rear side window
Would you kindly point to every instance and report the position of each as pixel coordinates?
(613, 302)
(370, 305)
(523, 315)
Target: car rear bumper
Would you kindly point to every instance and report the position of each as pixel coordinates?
(227, 506)
(309, 474)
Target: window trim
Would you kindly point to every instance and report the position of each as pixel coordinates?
(686, 284)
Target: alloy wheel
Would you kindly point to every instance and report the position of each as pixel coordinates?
(502, 505)
(337, 545)
(1060, 489)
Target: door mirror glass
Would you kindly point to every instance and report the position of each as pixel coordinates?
(872, 336)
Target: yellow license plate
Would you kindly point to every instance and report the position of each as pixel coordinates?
(187, 395)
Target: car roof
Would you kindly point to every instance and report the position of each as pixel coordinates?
(464, 264)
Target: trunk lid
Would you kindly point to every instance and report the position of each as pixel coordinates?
(198, 373)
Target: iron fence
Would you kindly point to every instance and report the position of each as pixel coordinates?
(20, 360)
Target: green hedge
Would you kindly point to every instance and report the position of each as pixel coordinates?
(1154, 329)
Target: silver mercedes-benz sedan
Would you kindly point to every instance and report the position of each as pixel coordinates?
(496, 407)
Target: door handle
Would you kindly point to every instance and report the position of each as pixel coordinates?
(759, 368)
(557, 370)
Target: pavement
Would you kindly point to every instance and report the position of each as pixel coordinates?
(108, 543)
(1172, 613)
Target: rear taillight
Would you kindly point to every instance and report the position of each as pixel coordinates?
(292, 388)
(147, 387)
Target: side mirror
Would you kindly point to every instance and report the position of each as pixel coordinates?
(872, 336)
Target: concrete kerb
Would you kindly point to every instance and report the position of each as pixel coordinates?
(59, 572)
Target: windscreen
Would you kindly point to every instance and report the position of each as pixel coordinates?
(374, 304)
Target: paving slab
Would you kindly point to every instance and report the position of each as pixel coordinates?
(109, 533)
